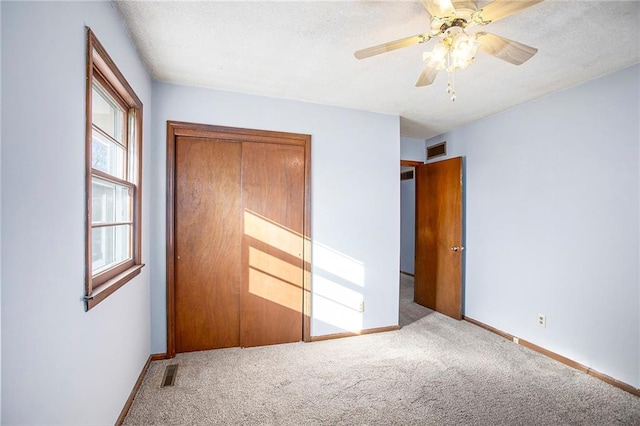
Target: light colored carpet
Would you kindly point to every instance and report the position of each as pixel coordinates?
(434, 371)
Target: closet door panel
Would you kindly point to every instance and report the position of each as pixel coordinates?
(208, 235)
(272, 243)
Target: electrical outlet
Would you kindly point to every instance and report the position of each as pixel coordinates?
(361, 307)
(542, 320)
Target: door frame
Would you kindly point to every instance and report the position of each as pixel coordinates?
(179, 128)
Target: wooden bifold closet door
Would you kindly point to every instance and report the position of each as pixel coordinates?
(238, 253)
(272, 205)
(208, 243)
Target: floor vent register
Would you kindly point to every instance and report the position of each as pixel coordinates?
(169, 375)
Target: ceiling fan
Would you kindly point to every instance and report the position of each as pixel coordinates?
(456, 49)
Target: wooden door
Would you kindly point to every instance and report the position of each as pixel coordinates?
(273, 206)
(438, 261)
(208, 235)
(238, 206)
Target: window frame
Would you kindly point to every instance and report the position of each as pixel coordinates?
(102, 70)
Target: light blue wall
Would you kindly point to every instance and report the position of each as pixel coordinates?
(410, 149)
(553, 222)
(552, 217)
(61, 365)
(0, 217)
(355, 199)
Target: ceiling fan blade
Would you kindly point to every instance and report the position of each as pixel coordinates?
(427, 76)
(392, 45)
(502, 8)
(439, 8)
(505, 49)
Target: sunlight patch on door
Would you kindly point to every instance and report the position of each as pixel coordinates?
(273, 266)
(275, 290)
(275, 235)
(276, 273)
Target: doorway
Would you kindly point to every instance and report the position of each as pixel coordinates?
(238, 232)
(439, 248)
(431, 273)
(409, 311)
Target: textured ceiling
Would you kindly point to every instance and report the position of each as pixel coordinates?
(303, 50)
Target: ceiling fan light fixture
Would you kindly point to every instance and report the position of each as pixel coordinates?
(457, 50)
(463, 50)
(438, 57)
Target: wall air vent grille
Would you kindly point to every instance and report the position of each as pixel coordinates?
(437, 150)
(406, 175)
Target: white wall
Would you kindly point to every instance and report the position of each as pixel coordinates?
(355, 199)
(410, 149)
(553, 222)
(413, 149)
(60, 364)
(0, 218)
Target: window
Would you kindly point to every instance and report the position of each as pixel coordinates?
(113, 151)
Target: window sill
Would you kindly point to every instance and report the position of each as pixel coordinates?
(106, 289)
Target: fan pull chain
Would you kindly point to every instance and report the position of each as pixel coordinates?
(451, 79)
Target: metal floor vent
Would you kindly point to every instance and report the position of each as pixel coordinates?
(169, 375)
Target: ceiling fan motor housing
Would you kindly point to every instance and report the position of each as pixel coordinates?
(464, 10)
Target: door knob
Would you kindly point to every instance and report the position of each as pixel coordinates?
(456, 248)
